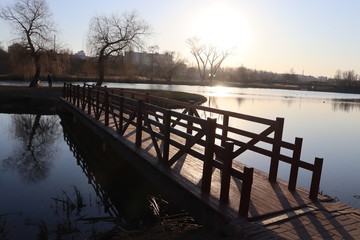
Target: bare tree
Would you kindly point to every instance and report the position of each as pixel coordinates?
(349, 75)
(111, 35)
(208, 57)
(346, 78)
(169, 65)
(34, 27)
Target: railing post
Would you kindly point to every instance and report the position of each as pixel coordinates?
(226, 171)
(274, 165)
(97, 109)
(166, 142)
(67, 92)
(139, 121)
(89, 100)
(106, 110)
(295, 164)
(83, 99)
(190, 123)
(315, 180)
(77, 95)
(73, 94)
(224, 130)
(209, 155)
(121, 113)
(246, 191)
(64, 91)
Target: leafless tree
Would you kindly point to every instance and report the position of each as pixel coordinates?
(169, 65)
(111, 35)
(346, 78)
(349, 75)
(32, 23)
(208, 57)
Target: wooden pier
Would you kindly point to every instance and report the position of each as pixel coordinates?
(198, 147)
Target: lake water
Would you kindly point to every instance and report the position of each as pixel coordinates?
(329, 123)
(48, 187)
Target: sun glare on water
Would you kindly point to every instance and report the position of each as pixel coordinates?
(222, 26)
(218, 91)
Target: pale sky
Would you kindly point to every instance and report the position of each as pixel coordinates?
(314, 37)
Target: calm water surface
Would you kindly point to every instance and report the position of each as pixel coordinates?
(48, 189)
(38, 177)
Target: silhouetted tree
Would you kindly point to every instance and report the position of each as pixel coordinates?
(208, 57)
(31, 20)
(169, 65)
(20, 61)
(338, 75)
(346, 78)
(111, 35)
(349, 75)
(243, 74)
(4, 61)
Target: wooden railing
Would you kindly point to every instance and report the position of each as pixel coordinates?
(214, 141)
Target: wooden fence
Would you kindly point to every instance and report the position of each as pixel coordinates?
(214, 141)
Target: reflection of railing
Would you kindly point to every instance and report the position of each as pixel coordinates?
(214, 143)
(100, 192)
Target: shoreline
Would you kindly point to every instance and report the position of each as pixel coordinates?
(302, 86)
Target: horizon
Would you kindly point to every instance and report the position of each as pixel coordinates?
(306, 37)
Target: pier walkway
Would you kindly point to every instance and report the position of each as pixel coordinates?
(200, 149)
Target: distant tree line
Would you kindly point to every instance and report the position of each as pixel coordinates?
(16, 62)
(117, 46)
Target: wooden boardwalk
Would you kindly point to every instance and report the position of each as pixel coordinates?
(178, 144)
(266, 197)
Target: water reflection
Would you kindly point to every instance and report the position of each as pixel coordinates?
(346, 105)
(125, 193)
(35, 135)
(329, 127)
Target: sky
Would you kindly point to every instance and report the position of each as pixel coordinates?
(310, 37)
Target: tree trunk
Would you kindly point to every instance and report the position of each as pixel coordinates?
(34, 82)
(101, 69)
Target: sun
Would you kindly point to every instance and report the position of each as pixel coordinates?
(222, 26)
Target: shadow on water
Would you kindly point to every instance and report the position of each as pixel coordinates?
(32, 156)
(127, 196)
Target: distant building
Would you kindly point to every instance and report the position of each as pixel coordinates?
(80, 54)
(305, 78)
(146, 59)
(322, 78)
